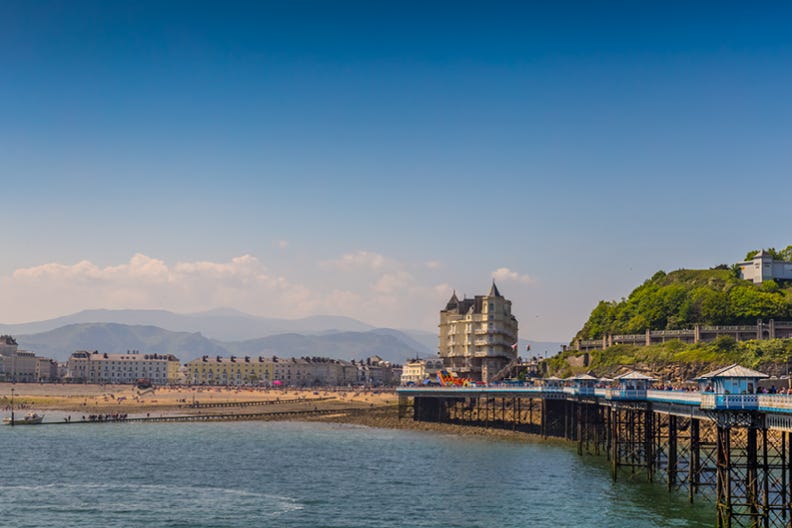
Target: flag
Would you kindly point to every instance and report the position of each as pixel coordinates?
(528, 348)
(514, 347)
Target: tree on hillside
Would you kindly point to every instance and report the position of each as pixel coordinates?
(748, 304)
(709, 306)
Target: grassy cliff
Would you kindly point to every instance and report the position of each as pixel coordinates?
(683, 298)
(675, 360)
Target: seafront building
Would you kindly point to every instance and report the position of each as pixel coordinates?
(417, 371)
(478, 337)
(219, 370)
(289, 372)
(23, 366)
(95, 367)
(85, 366)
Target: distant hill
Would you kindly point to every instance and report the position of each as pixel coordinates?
(340, 345)
(223, 324)
(118, 338)
(226, 331)
(683, 298)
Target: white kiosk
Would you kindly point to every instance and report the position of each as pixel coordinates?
(632, 385)
(732, 387)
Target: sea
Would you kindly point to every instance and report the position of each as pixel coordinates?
(308, 474)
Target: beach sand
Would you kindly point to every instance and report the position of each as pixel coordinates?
(128, 399)
(371, 408)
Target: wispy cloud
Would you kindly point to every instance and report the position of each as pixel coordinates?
(382, 292)
(507, 275)
(359, 260)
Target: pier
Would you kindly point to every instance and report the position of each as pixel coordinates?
(725, 443)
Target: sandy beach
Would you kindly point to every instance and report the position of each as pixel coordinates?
(372, 408)
(128, 399)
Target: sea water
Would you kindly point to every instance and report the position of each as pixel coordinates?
(291, 474)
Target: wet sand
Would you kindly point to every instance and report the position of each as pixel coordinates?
(371, 408)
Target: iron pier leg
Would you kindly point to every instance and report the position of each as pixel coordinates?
(695, 453)
(784, 477)
(614, 443)
(765, 482)
(723, 483)
(649, 443)
(543, 416)
(579, 416)
(672, 451)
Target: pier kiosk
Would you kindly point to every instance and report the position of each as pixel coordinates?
(553, 384)
(732, 387)
(582, 384)
(629, 386)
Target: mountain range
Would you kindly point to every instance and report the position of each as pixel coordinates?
(225, 332)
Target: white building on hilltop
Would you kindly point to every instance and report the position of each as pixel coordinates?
(763, 267)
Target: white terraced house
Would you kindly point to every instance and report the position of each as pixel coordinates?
(95, 367)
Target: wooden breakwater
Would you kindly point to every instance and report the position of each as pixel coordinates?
(208, 417)
(257, 403)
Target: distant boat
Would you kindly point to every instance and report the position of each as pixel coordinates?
(30, 418)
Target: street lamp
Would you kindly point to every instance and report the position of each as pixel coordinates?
(12, 406)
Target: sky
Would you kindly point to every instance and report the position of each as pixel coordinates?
(368, 159)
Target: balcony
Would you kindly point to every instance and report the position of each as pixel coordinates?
(775, 402)
(625, 394)
(494, 342)
(748, 402)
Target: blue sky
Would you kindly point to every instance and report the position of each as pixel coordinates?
(368, 158)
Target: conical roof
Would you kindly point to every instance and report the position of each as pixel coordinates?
(582, 377)
(633, 375)
(494, 290)
(453, 302)
(733, 371)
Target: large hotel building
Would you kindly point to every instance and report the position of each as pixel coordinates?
(478, 337)
(95, 367)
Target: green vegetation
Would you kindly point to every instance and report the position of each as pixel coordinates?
(684, 298)
(688, 359)
(784, 254)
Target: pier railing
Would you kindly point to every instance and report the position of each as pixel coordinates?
(729, 401)
(780, 403)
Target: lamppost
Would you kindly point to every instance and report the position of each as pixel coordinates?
(12, 406)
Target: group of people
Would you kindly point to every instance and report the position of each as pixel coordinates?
(114, 417)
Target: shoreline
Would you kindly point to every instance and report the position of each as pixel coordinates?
(369, 408)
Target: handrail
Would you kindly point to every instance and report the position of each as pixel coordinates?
(705, 400)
